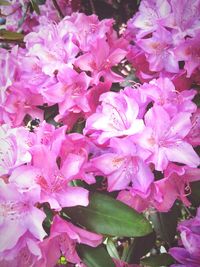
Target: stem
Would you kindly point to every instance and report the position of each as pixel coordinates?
(58, 9)
(92, 7)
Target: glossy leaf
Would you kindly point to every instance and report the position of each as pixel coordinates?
(140, 247)
(158, 260)
(95, 257)
(165, 223)
(109, 216)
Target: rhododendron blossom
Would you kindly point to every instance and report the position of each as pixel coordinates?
(99, 123)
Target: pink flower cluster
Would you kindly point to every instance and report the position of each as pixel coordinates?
(17, 15)
(188, 255)
(37, 168)
(69, 64)
(166, 35)
(143, 132)
(141, 140)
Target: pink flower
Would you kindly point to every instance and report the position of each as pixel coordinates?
(159, 52)
(25, 253)
(14, 148)
(163, 92)
(53, 51)
(184, 18)
(122, 166)
(189, 52)
(100, 60)
(18, 215)
(74, 86)
(151, 14)
(116, 116)
(62, 242)
(193, 137)
(49, 180)
(163, 138)
(189, 255)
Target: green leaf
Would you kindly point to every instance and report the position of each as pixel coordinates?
(112, 249)
(140, 247)
(35, 6)
(158, 260)
(95, 257)
(9, 35)
(4, 3)
(109, 216)
(165, 223)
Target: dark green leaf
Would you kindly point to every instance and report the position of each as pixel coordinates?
(109, 216)
(95, 257)
(140, 247)
(158, 260)
(35, 6)
(9, 35)
(165, 223)
(194, 197)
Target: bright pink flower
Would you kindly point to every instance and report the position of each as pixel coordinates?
(175, 185)
(100, 60)
(74, 154)
(164, 137)
(116, 116)
(62, 241)
(49, 180)
(46, 134)
(74, 86)
(18, 215)
(25, 253)
(122, 166)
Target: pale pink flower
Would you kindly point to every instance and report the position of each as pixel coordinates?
(194, 137)
(18, 215)
(115, 117)
(159, 51)
(14, 148)
(151, 14)
(163, 92)
(163, 138)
